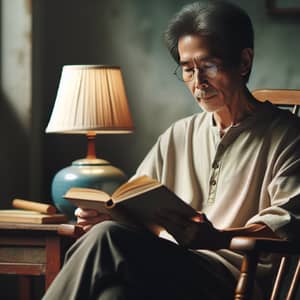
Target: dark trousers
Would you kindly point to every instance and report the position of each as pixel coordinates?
(114, 262)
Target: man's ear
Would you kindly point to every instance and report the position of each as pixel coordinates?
(246, 61)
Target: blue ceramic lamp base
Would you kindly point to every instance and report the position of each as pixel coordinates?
(89, 172)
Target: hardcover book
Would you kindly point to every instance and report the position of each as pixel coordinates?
(32, 217)
(136, 202)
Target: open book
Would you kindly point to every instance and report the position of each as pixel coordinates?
(136, 202)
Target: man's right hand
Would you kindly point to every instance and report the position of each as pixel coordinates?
(87, 218)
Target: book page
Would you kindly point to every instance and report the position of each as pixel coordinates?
(134, 187)
(87, 194)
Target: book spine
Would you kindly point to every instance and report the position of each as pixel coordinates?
(110, 203)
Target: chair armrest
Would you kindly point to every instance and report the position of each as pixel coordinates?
(71, 230)
(251, 247)
(259, 244)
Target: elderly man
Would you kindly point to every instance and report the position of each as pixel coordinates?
(238, 162)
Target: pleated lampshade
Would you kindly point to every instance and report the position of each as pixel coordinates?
(90, 98)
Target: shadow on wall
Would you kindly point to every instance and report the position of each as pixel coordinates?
(14, 156)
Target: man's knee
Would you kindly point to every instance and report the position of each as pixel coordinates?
(103, 228)
(109, 230)
(93, 237)
(110, 235)
(102, 233)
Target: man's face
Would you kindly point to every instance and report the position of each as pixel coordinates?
(213, 86)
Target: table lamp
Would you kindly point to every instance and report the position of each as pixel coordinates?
(91, 100)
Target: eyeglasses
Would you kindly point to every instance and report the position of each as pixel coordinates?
(187, 74)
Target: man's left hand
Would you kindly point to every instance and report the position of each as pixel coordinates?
(195, 233)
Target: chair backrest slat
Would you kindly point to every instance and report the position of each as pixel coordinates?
(294, 282)
(279, 277)
(278, 97)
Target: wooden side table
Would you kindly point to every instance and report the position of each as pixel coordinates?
(33, 249)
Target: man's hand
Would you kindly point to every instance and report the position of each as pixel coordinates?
(199, 232)
(87, 218)
(195, 233)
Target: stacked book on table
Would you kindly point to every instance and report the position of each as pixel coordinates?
(25, 211)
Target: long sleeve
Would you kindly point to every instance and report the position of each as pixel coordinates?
(283, 215)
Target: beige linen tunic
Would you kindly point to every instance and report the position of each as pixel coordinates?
(250, 175)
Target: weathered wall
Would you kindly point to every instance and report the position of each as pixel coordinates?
(118, 32)
(129, 34)
(126, 33)
(15, 99)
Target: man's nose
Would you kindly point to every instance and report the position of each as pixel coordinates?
(200, 80)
